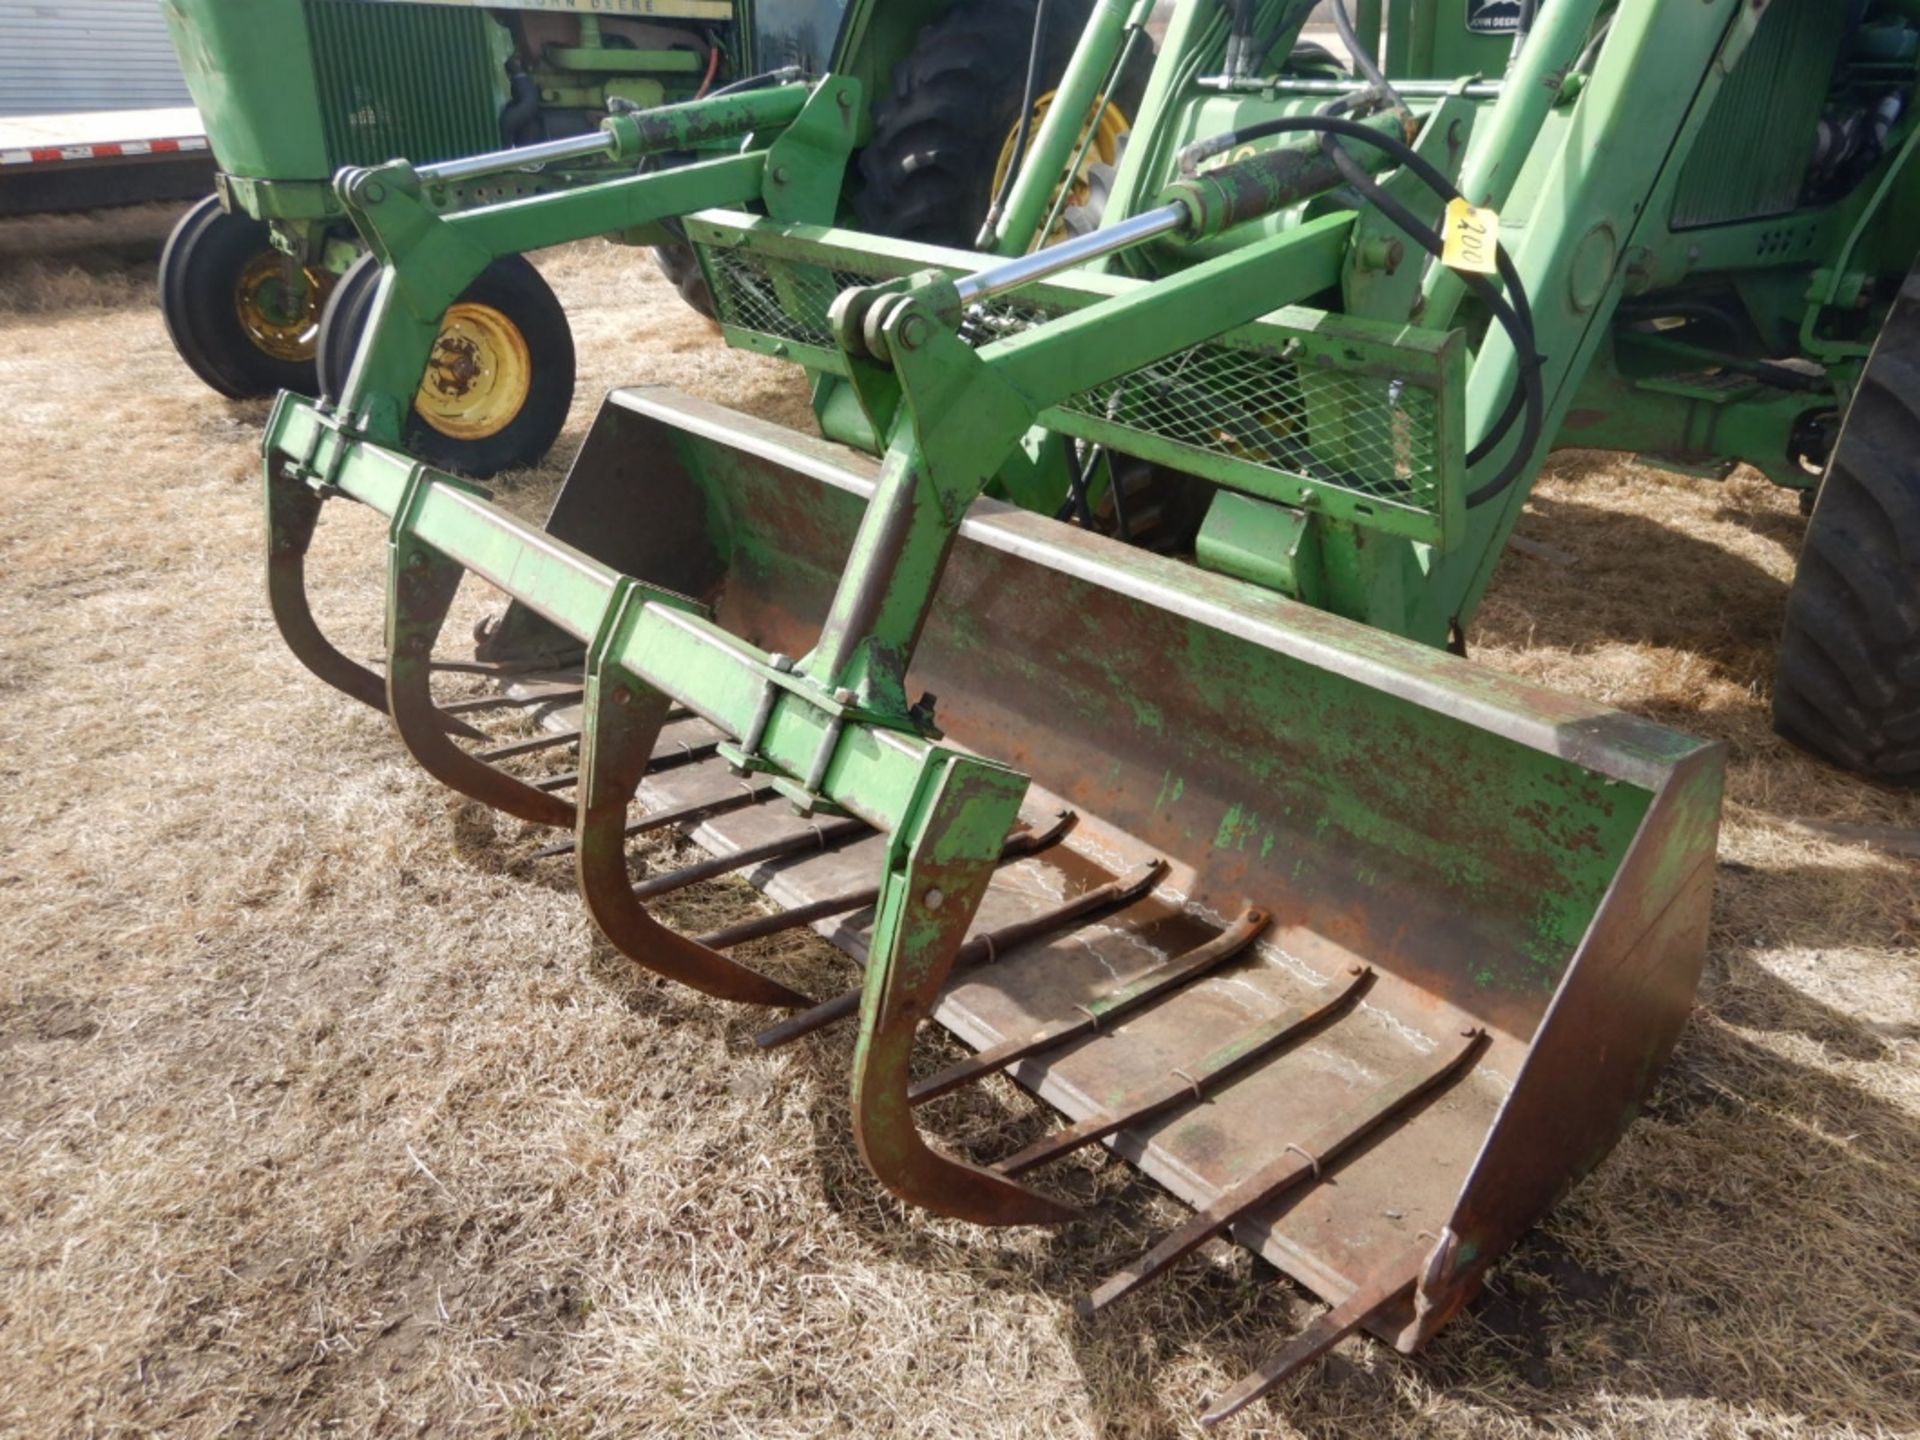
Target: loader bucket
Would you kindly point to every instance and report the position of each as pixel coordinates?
(1363, 951)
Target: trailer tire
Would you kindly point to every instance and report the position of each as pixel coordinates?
(214, 272)
(509, 312)
(1848, 685)
(928, 172)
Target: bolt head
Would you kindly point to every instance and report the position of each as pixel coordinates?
(782, 663)
(934, 898)
(622, 695)
(913, 331)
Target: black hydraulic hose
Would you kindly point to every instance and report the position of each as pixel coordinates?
(1515, 318)
(1075, 506)
(1364, 58)
(1122, 529)
(1240, 40)
(1525, 397)
(1029, 97)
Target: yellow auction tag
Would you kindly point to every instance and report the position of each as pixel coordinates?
(1472, 238)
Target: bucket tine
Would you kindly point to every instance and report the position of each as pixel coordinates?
(981, 949)
(1302, 1162)
(1189, 1083)
(292, 512)
(1326, 1331)
(420, 588)
(1090, 1017)
(745, 798)
(511, 702)
(939, 863)
(814, 837)
(622, 721)
(537, 745)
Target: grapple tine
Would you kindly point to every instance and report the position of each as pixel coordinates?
(420, 589)
(293, 510)
(1090, 1017)
(622, 719)
(1302, 1162)
(938, 865)
(979, 950)
(1190, 1083)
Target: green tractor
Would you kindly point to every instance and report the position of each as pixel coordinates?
(1085, 678)
(259, 286)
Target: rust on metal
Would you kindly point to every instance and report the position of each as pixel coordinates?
(1302, 1161)
(530, 701)
(626, 721)
(293, 510)
(1184, 1083)
(1326, 1331)
(819, 836)
(981, 949)
(691, 813)
(1092, 1015)
(420, 590)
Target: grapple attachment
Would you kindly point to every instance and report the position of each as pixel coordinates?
(1363, 951)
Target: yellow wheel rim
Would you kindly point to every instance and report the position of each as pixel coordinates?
(479, 375)
(1105, 150)
(279, 305)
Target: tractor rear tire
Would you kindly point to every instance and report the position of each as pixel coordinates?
(203, 272)
(927, 173)
(1848, 686)
(517, 306)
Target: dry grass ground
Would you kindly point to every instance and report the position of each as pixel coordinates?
(324, 1113)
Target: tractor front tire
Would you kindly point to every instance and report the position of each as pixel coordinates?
(928, 171)
(1848, 686)
(228, 309)
(500, 383)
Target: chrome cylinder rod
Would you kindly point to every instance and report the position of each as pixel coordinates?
(1346, 85)
(594, 145)
(1026, 269)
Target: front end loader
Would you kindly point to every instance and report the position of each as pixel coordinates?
(1363, 951)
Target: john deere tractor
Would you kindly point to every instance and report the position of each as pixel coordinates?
(258, 283)
(1085, 677)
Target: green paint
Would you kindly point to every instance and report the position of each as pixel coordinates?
(1237, 826)
(1171, 789)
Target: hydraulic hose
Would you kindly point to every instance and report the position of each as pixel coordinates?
(1515, 318)
(1029, 97)
(1364, 59)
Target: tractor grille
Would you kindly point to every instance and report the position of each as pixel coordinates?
(1250, 410)
(1750, 159)
(414, 82)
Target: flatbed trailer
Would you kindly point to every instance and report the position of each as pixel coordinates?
(88, 159)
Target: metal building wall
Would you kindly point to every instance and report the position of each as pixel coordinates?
(65, 55)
